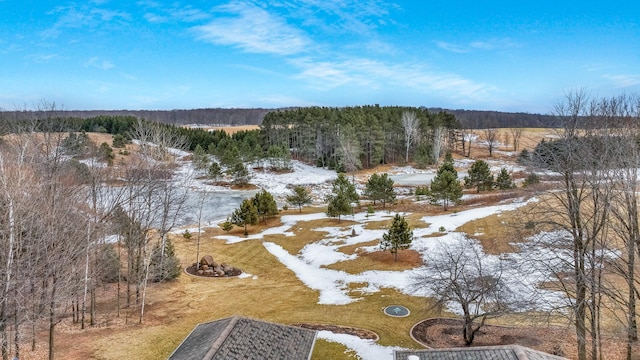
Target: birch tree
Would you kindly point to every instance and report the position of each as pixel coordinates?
(410, 125)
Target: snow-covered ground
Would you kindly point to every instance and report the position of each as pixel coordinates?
(333, 285)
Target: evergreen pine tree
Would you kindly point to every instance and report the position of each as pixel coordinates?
(504, 180)
(479, 177)
(265, 205)
(226, 225)
(398, 237)
(200, 158)
(240, 173)
(380, 187)
(246, 214)
(215, 172)
(300, 197)
(342, 195)
(445, 186)
(164, 268)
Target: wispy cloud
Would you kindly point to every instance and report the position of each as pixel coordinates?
(490, 44)
(44, 58)
(155, 18)
(623, 81)
(352, 16)
(596, 67)
(253, 29)
(186, 14)
(451, 47)
(109, 15)
(374, 74)
(96, 62)
(79, 17)
(494, 44)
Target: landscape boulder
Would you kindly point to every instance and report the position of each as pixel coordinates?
(207, 260)
(208, 267)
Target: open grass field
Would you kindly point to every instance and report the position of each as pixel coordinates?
(272, 292)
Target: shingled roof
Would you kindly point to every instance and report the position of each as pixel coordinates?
(506, 352)
(242, 338)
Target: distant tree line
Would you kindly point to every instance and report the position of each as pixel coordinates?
(478, 119)
(216, 116)
(472, 119)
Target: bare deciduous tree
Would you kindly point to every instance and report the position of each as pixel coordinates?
(349, 148)
(438, 141)
(582, 157)
(463, 275)
(491, 137)
(516, 135)
(410, 125)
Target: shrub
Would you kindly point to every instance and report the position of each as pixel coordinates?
(164, 268)
(532, 179)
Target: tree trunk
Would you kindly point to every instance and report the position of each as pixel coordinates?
(16, 335)
(52, 317)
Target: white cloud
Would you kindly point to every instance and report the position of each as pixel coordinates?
(44, 58)
(154, 18)
(96, 62)
(351, 16)
(494, 44)
(451, 47)
(491, 44)
(188, 14)
(109, 15)
(623, 81)
(253, 29)
(374, 74)
(81, 16)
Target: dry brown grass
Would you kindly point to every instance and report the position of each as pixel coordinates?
(379, 260)
(356, 248)
(233, 129)
(495, 233)
(273, 293)
(492, 197)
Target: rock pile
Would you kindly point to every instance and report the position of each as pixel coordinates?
(208, 267)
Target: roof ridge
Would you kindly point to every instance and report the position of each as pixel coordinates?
(222, 338)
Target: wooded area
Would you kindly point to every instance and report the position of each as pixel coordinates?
(472, 119)
(56, 210)
(348, 139)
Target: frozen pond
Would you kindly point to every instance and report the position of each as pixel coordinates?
(413, 179)
(216, 206)
(419, 179)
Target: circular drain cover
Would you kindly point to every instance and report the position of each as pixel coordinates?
(396, 311)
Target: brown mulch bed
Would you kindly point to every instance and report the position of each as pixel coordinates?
(338, 329)
(446, 333)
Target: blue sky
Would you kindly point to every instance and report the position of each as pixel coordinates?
(485, 55)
